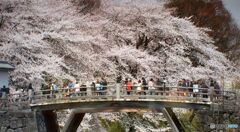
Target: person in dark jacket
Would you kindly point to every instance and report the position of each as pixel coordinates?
(159, 86)
(104, 86)
(30, 92)
(144, 84)
(93, 86)
(204, 89)
(44, 88)
(119, 79)
(4, 89)
(211, 82)
(165, 89)
(83, 89)
(216, 88)
(30, 86)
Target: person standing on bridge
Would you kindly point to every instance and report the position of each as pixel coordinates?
(118, 86)
(104, 86)
(145, 87)
(165, 89)
(83, 89)
(159, 86)
(129, 87)
(76, 89)
(195, 89)
(151, 87)
(190, 89)
(124, 89)
(204, 89)
(70, 88)
(98, 87)
(217, 89)
(54, 89)
(134, 87)
(179, 90)
(30, 92)
(139, 87)
(93, 88)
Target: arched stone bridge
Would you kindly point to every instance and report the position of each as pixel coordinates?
(116, 99)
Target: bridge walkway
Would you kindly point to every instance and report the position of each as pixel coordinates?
(115, 98)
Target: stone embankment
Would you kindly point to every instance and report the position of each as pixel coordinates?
(17, 121)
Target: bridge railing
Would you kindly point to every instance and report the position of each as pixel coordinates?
(173, 93)
(74, 93)
(159, 93)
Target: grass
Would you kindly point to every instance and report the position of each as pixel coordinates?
(112, 126)
(187, 125)
(138, 116)
(162, 124)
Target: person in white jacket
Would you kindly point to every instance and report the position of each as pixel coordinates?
(151, 87)
(139, 87)
(89, 89)
(77, 89)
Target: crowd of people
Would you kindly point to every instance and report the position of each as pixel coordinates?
(130, 87)
(98, 87)
(137, 87)
(143, 87)
(158, 87)
(202, 86)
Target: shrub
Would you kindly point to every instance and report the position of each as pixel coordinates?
(112, 126)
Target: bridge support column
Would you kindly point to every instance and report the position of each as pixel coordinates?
(73, 122)
(50, 119)
(39, 120)
(172, 120)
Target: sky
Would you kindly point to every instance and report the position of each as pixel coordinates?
(234, 8)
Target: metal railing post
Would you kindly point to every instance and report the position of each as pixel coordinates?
(118, 86)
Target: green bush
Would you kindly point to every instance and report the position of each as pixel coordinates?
(112, 126)
(116, 127)
(187, 125)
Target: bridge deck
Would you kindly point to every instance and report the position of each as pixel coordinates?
(117, 105)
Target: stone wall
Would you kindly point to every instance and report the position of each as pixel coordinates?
(17, 121)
